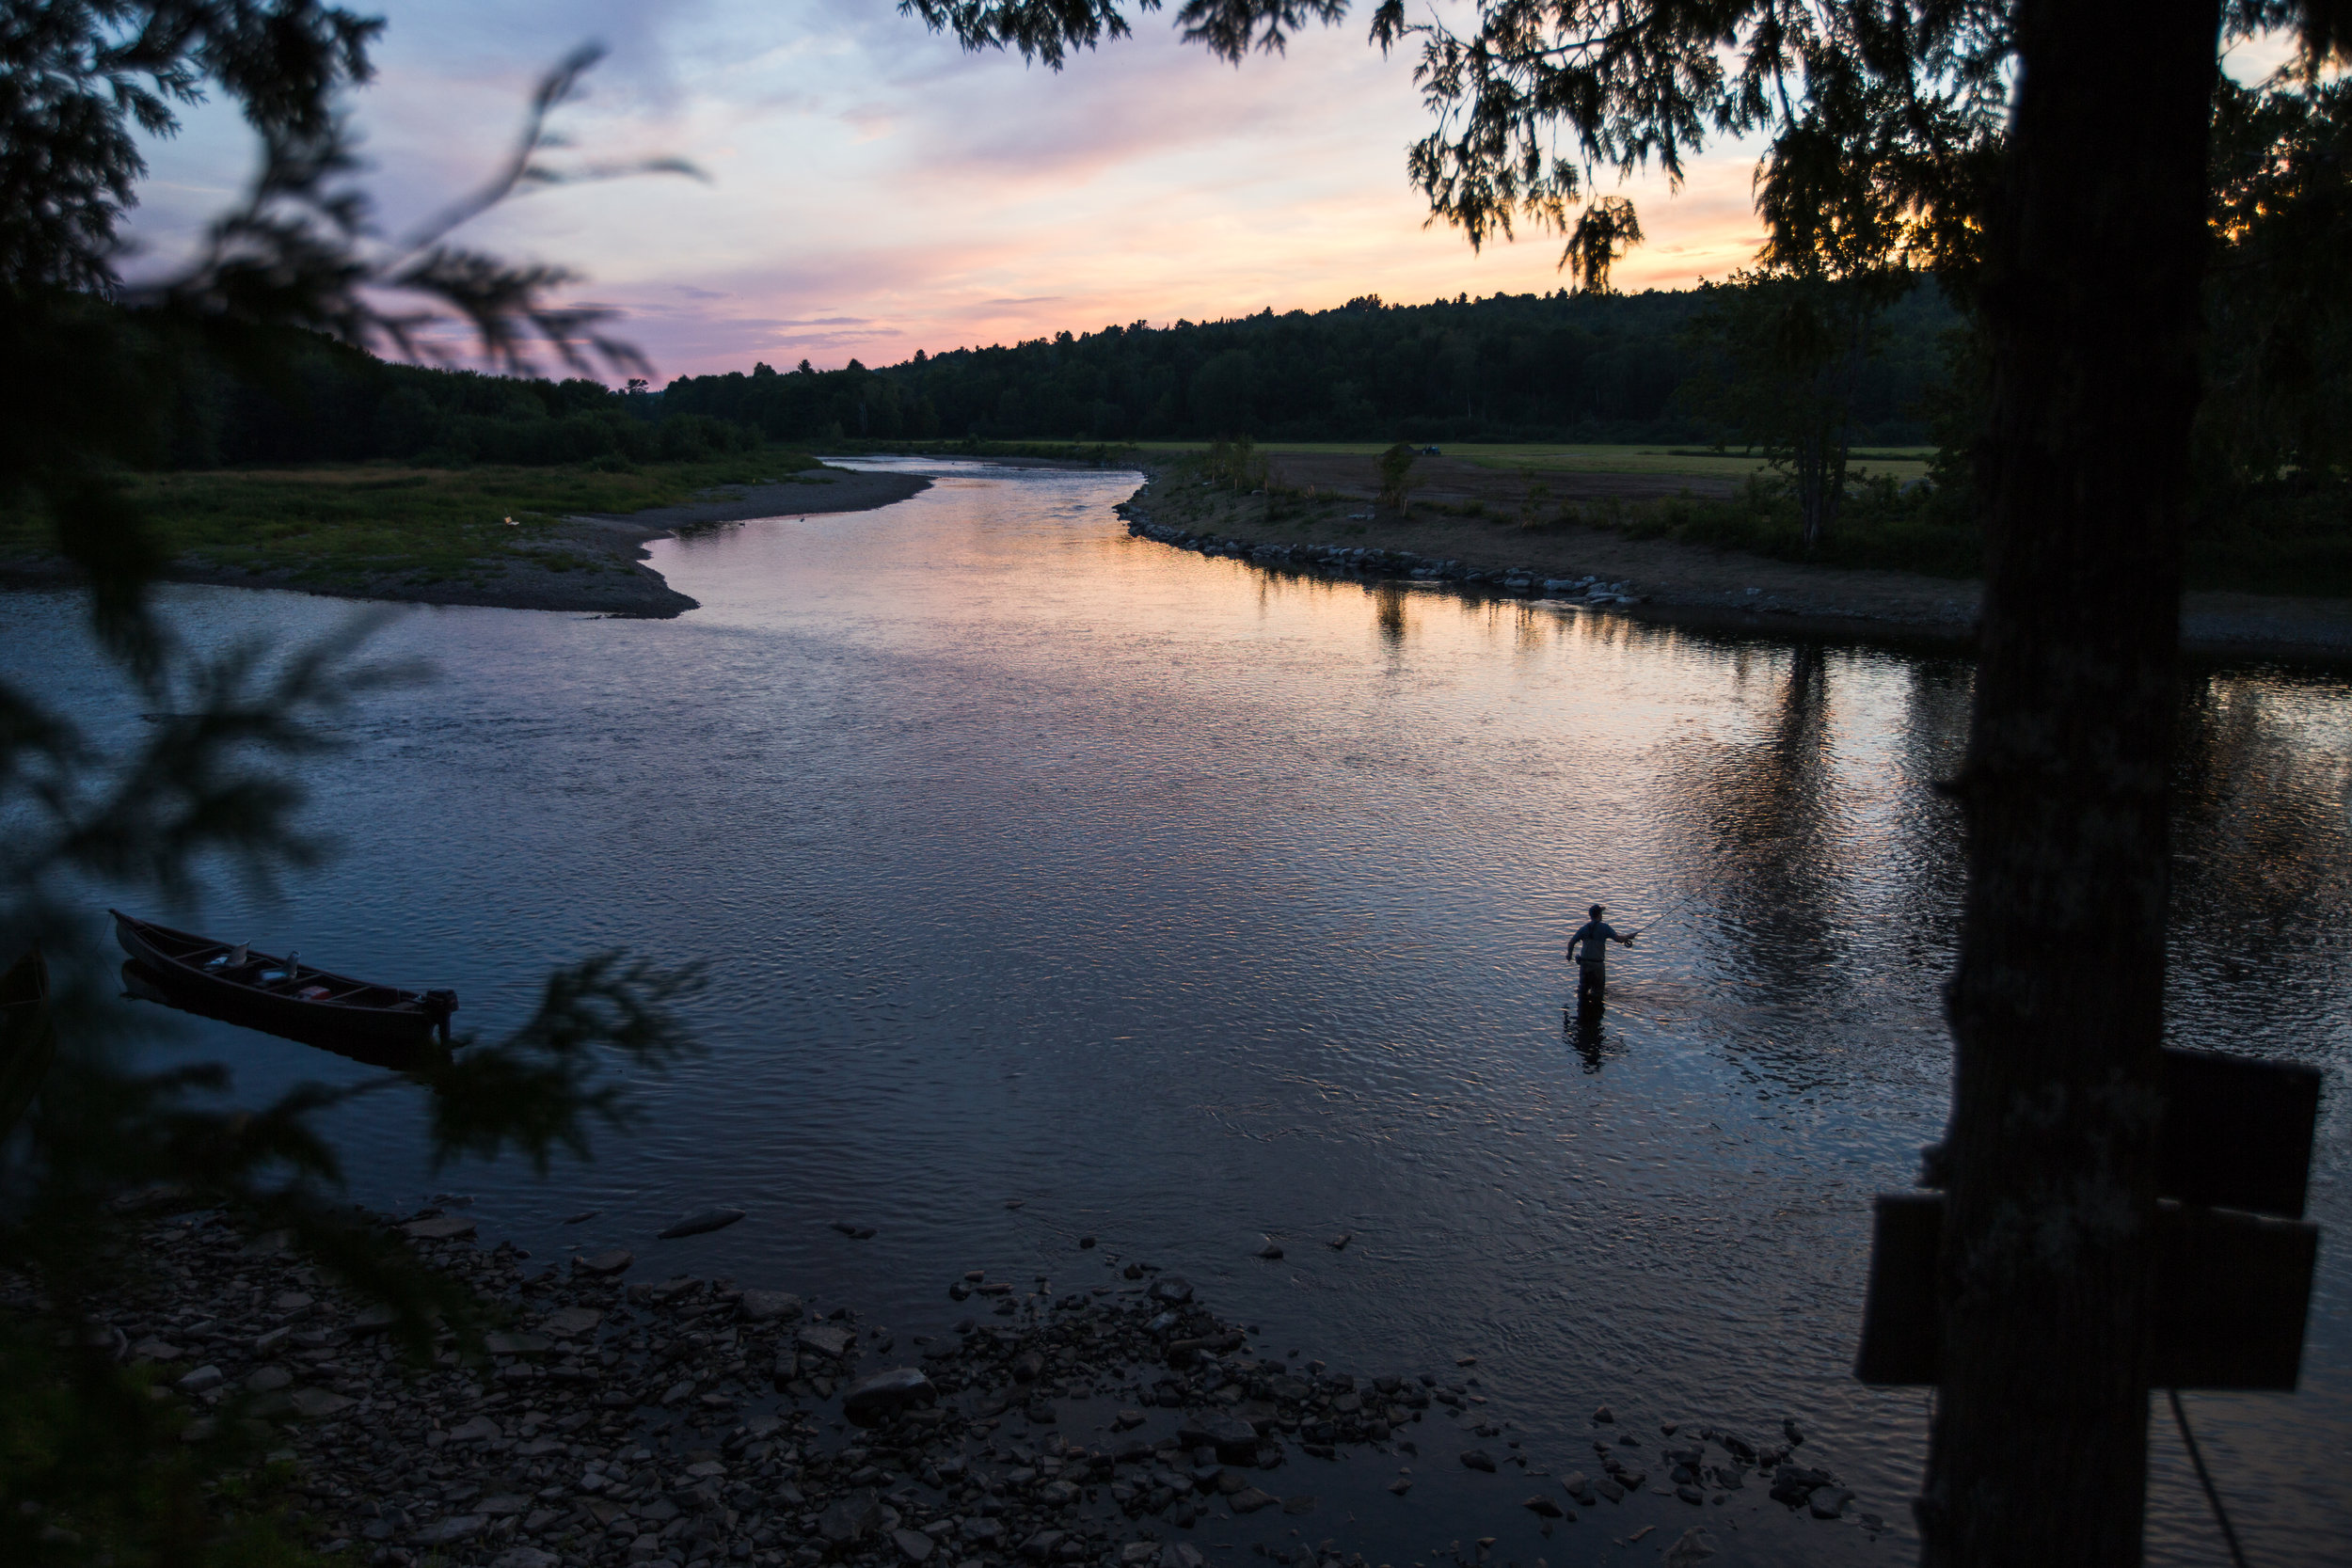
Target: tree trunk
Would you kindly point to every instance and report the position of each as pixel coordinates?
(1811, 456)
(2095, 245)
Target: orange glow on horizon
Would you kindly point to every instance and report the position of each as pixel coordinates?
(875, 191)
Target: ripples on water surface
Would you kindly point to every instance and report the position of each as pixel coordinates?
(1194, 905)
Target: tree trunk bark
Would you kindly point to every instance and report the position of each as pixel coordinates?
(2095, 245)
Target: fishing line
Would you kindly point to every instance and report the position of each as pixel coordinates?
(2220, 1515)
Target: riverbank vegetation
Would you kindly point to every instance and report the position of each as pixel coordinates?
(1888, 523)
(329, 526)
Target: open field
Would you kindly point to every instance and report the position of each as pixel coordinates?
(1901, 462)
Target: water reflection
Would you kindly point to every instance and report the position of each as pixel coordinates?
(1582, 1024)
(141, 984)
(1388, 603)
(1763, 811)
(2262, 858)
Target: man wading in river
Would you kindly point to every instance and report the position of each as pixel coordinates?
(1592, 965)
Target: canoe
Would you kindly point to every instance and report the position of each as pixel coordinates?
(281, 996)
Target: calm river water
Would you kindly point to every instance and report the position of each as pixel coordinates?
(1188, 905)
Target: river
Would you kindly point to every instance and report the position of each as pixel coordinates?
(1054, 882)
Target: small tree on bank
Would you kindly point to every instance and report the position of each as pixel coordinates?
(1782, 357)
(1396, 477)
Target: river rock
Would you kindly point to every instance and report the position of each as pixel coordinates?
(526, 1556)
(615, 1261)
(480, 1429)
(1694, 1546)
(1233, 1438)
(851, 1519)
(1172, 1288)
(870, 1399)
(1478, 1459)
(701, 1220)
(1249, 1500)
(1270, 1253)
(1828, 1502)
(448, 1531)
(570, 1323)
(1795, 1485)
(830, 1341)
(913, 1545)
(268, 1380)
(765, 1306)
(1543, 1507)
(441, 1227)
(200, 1380)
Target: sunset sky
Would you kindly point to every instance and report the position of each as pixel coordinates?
(874, 190)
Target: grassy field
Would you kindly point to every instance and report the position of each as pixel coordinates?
(1901, 462)
(325, 525)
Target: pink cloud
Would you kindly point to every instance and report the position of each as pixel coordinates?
(875, 190)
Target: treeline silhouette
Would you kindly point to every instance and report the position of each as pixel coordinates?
(1510, 367)
(1556, 367)
(326, 402)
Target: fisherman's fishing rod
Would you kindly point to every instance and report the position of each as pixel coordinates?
(1673, 911)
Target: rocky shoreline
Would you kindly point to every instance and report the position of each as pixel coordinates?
(1682, 585)
(687, 1421)
(1370, 563)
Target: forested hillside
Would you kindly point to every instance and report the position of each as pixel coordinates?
(331, 402)
(1511, 368)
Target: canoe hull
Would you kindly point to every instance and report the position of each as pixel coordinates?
(174, 968)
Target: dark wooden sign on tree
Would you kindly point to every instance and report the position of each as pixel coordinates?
(2234, 1255)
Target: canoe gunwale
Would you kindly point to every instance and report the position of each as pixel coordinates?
(179, 958)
